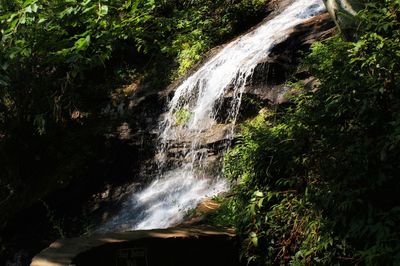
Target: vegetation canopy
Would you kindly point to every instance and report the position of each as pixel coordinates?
(319, 180)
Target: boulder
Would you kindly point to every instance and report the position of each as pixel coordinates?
(270, 76)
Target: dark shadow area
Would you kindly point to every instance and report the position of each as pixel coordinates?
(200, 251)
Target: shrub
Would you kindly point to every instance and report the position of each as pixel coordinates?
(318, 181)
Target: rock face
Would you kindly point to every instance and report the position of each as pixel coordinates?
(270, 76)
(181, 246)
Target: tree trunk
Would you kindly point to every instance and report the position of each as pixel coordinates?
(344, 14)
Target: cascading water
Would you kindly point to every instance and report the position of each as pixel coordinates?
(192, 112)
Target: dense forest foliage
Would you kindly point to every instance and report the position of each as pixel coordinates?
(319, 180)
(61, 60)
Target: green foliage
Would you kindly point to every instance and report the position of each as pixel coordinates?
(318, 181)
(49, 49)
(196, 26)
(182, 116)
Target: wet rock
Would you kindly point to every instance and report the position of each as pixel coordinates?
(270, 76)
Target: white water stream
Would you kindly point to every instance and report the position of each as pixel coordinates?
(192, 112)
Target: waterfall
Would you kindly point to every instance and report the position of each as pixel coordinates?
(192, 112)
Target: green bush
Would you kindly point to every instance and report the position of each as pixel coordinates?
(319, 180)
(182, 116)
